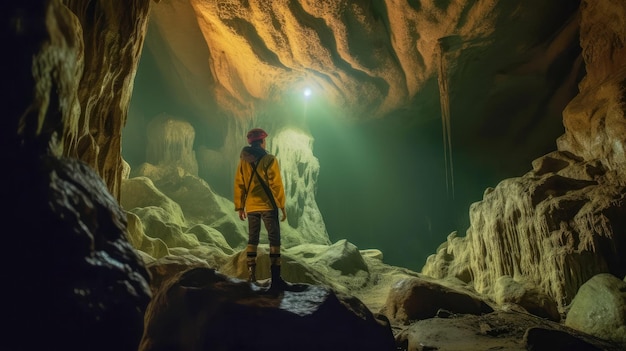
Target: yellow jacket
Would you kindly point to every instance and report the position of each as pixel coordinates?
(256, 199)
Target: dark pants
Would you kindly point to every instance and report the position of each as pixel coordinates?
(272, 225)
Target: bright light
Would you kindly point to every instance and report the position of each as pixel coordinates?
(307, 92)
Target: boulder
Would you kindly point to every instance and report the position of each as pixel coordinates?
(414, 299)
(599, 308)
(203, 309)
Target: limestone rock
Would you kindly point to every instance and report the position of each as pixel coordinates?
(498, 330)
(293, 269)
(204, 310)
(416, 299)
(211, 236)
(573, 211)
(550, 339)
(560, 224)
(197, 201)
(599, 308)
(344, 257)
(507, 290)
(154, 247)
(168, 267)
(111, 41)
(201, 205)
(41, 77)
(587, 119)
(602, 37)
(79, 281)
(76, 281)
(158, 224)
(452, 259)
(189, 202)
(171, 142)
(300, 169)
(140, 192)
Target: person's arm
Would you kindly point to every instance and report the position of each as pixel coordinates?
(275, 181)
(240, 192)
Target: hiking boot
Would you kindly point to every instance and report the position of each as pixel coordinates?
(277, 281)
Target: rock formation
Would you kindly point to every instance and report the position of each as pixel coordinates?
(537, 241)
(108, 54)
(79, 283)
(564, 220)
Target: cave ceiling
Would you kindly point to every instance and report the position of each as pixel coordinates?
(242, 59)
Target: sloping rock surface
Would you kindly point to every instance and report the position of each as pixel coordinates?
(202, 309)
(76, 280)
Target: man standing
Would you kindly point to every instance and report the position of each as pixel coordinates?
(259, 194)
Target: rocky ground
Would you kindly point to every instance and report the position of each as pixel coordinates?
(508, 328)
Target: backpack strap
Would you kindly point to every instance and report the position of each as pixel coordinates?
(266, 188)
(254, 165)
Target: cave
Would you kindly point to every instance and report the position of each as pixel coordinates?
(448, 165)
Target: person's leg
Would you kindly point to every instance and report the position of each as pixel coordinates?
(270, 219)
(254, 230)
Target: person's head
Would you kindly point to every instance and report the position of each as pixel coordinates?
(256, 137)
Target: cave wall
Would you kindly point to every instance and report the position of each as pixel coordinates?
(41, 78)
(594, 120)
(72, 75)
(77, 281)
(562, 222)
(112, 41)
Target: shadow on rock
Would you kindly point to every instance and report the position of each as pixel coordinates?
(202, 309)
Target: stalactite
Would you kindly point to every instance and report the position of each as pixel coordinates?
(444, 98)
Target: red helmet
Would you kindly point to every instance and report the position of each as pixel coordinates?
(256, 134)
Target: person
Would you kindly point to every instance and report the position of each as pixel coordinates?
(259, 194)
